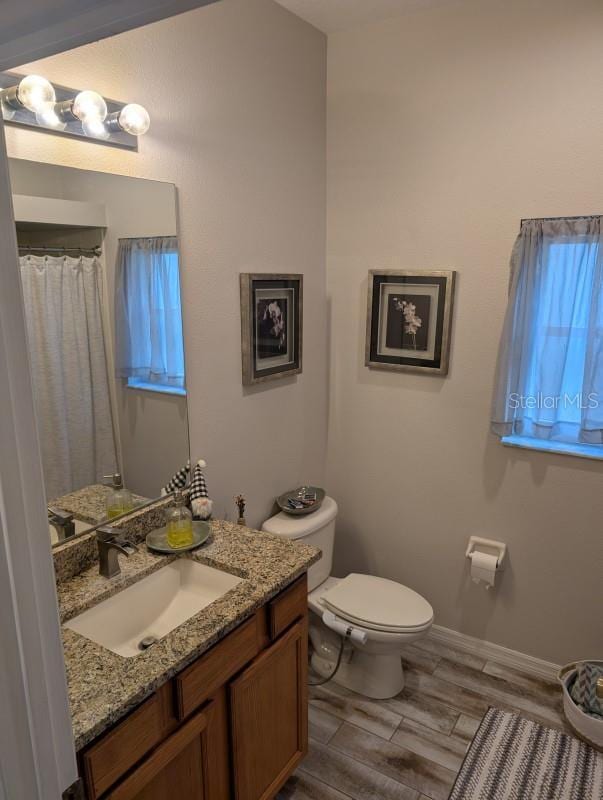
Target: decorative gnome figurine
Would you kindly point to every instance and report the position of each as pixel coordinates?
(178, 480)
(201, 505)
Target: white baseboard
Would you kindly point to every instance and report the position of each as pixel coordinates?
(495, 652)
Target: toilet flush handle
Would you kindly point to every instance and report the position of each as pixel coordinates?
(343, 628)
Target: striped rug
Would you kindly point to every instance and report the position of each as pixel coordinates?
(513, 758)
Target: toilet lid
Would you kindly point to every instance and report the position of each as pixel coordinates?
(378, 603)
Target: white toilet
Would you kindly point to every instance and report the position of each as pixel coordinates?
(379, 616)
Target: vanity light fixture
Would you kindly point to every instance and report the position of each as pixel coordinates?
(95, 128)
(34, 102)
(47, 117)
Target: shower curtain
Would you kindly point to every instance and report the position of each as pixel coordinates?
(63, 310)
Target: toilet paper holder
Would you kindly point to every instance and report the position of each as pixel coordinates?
(490, 546)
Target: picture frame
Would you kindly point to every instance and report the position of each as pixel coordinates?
(409, 320)
(271, 326)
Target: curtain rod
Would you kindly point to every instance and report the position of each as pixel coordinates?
(552, 219)
(137, 238)
(93, 251)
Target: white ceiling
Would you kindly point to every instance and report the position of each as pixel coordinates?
(331, 16)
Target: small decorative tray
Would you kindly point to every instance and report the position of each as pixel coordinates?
(295, 495)
(157, 539)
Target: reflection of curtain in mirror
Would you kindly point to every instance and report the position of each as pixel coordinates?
(148, 315)
(63, 298)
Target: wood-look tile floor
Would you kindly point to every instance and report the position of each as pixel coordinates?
(411, 747)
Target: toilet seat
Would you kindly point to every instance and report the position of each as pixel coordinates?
(378, 604)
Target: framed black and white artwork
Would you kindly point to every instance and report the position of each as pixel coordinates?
(409, 318)
(271, 326)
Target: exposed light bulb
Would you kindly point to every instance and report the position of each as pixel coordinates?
(134, 119)
(48, 117)
(89, 106)
(96, 128)
(35, 93)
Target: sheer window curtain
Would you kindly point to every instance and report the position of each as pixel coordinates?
(549, 376)
(149, 343)
(63, 312)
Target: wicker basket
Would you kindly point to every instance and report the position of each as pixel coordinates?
(584, 725)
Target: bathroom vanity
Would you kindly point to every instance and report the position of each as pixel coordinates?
(217, 708)
(240, 709)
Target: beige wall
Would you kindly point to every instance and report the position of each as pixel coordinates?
(445, 128)
(236, 92)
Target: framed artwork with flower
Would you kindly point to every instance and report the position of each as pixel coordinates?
(409, 318)
(271, 326)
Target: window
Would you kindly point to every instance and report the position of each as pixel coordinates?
(149, 386)
(549, 386)
(149, 342)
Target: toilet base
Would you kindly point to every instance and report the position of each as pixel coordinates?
(372, 668)
(378, 677)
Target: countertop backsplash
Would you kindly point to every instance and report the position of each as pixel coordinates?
(75, 556)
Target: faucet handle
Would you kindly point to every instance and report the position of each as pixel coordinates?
(59, 514)
(115, 480)
(107, 533)
(110, 535)
(109, 545)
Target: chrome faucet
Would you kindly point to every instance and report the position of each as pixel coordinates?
(109, 547)
(62, 522)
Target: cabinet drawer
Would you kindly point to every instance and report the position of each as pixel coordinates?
(289, 606)
(212, 670)
(117, 751)
(179, 767)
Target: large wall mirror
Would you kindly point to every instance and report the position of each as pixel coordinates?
(99, 263)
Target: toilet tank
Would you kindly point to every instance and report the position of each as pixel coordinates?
(317, 529)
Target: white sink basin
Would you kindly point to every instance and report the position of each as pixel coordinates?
(153, 607)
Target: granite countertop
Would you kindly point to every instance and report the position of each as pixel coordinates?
(104, 686)
(89, 504)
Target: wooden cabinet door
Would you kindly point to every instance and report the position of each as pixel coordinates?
(269, 716)
(178, 768)
(114, 754)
